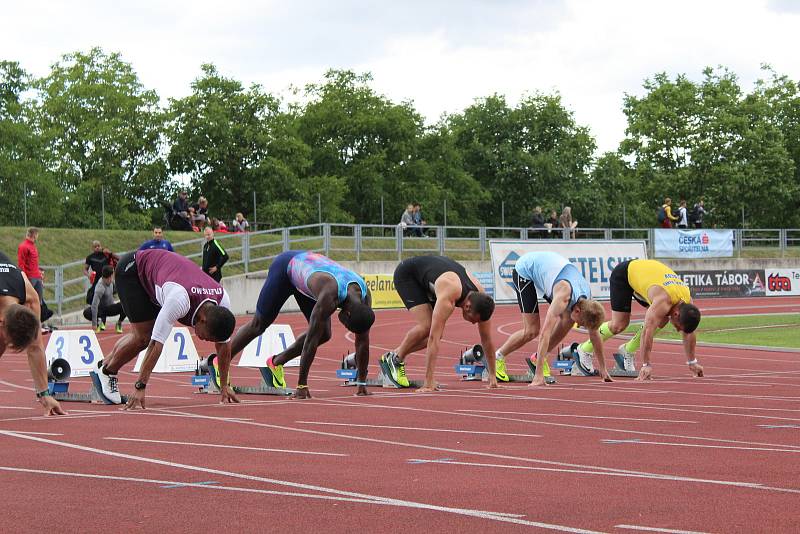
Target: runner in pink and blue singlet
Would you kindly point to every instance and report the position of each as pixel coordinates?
(320, 286)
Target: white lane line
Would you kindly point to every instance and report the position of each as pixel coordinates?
(589, 471)
(695, 445)
(187, 484)
(9, 384)
(38, 433)
(53, 417)
(583, 416)
(15, 408)
(220, 446)
(376, 499)
(422, 429)
(149, 412)
(563, 425)
(655, 529)
(599, 470)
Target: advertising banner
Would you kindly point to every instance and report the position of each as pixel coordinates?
(674, 243)
(736, 283)
(782, 282)
(595, 259)
(384, 295)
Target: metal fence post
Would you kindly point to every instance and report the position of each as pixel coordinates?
(398, 234)
(246, 252)
(782, 238)
(326, 238)
(60, 288)
(651, 235)
(440, 235)
(285, 238)
(608, 234)
(482, 239)
(357, 236)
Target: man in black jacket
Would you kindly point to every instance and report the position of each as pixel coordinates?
(214, 256)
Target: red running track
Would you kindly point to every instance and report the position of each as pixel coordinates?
(718, 454)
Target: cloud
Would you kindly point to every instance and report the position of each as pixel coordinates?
(440, 54)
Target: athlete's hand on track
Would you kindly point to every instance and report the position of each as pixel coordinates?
(362, 391)
(605, 376)
(228, 395)
(137, 399)
(428, 388)
(697, 369)
(492, 384)
(537, 381)
(51, 406)
(645, 373)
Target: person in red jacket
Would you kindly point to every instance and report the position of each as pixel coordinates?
(28, 260)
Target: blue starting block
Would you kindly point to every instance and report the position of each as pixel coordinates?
(205, 378)
(349, 374)
(58, 374)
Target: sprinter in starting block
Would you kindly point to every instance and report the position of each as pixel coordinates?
(320, 286)
(667, 299)
(20, 328)
(432, 287)
(158, 288)
(570, 298)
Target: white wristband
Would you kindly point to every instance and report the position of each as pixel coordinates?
(692, 362)
(646, 365)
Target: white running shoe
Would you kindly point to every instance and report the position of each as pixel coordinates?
(585, 361)
(628, 358)
(110, 389)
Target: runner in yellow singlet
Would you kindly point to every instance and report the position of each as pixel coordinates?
(667, 299)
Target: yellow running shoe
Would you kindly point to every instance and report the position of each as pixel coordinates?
(500, 370)
(278, 378)
(394, 369)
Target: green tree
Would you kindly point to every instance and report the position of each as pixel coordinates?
(360, 137)
(534, 154)
(710, 140)
(234, 141)
(103, 133)
(22, 173)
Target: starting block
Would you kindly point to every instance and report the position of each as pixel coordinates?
(569, 364)
(349, 373)
(58, 374)
(472, 367)
(205, 378)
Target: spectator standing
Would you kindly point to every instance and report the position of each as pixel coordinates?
(28, 262)
(566, 221)
(158, 241)
(683, 216)
(665, 217)
(93, 268)
(239, 223)
(214, 256)
(698, 213)
(103, 305)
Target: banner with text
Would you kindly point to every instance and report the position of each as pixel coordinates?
(783, 282)
(673, 243)
(735, 283)
(595, 259)
(381, 287)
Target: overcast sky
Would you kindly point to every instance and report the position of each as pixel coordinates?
(439, 54)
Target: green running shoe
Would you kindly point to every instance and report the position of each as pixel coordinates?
(395, 370)
(278, 378)
(500, 370)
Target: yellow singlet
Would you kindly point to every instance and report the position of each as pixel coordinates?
(643, 274)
